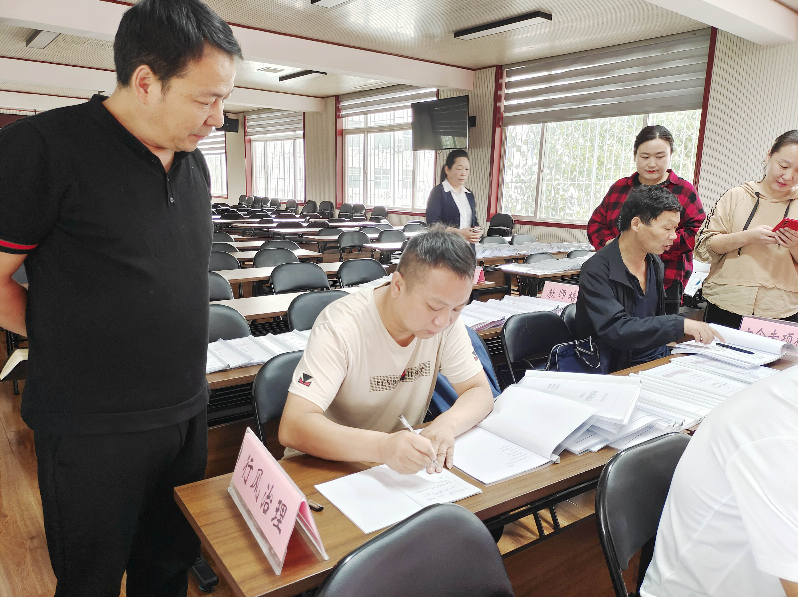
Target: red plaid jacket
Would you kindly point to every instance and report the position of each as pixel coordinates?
(678, 260)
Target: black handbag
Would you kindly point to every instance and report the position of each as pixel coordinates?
(579, 356)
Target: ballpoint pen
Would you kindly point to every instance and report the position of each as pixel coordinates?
(409, 427)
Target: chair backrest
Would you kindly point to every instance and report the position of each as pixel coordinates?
(358, 209)
(330, 232)
(269, 391)
(528, 335)
(346, 209)
(630, 497)
(443, 550)
(224, 247)
(494, 240)
(379, 210)
(309, 207)
(226, 323)
(304, 309)
(502, 221)
(520, 239)
(359, 271)
(535, 257)
(222, 237)
(327, 208)
(257, 202)
(280, 244)
(577, 253)
(352, 238)
(296, 277)
(219, 288)
(316, 221)
(391, 236)
(273, 257)
(275, 203)
(290, 205)
(414, 227)
(220, 260)
(242, 199)
(289, 224)
(568, 315)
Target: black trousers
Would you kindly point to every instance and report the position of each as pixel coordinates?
(109, 507)
(715, 314)
(673, 298)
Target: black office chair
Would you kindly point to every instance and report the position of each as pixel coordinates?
(345, 211)
(568, 316)
(274, 203)
(630, 497)
(414, 227)
(304, 309)
(271, 257)
(269, 391)
(443, 550)
(223, 247)
(494, 240)
(536, 257)
(349, 241)
(500, 225)
(326, 209)
(358, 209)
(222, 237)
(315, 221)
(359, 271)
(527, 338)
(297, 277)
(290, 206)
(379, 211)
(577, 253)
(250, 200)
(220, 260)
(226, 323)
(257, 202)
(280, 244)
(531, 286)
(332, 233)
(309, 208)
(391, 236)
(288, 224)
(520, 239)
(219, 287)
(242, 199)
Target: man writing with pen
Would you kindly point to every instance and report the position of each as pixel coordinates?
(374, 356)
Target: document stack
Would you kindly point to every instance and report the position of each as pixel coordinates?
(481, 316)
(252, 350)
(741, 349)
(501, 250)
(551, 266)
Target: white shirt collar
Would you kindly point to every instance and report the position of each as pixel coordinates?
(448, 188)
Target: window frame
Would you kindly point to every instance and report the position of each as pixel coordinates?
(300, 194)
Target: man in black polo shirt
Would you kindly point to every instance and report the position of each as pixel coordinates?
(108, 203)
(621, 301)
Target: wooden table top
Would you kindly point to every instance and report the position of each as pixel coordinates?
(261, 307)
(223, 531)
(253, 274)
(245, 256)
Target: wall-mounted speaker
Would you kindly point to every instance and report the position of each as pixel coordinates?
(230, 125)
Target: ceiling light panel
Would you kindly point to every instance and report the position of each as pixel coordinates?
(517, 22)
(305, 75)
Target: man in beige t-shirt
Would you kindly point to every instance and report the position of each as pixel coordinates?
(376, 354)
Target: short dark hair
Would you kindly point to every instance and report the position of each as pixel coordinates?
(647, 203)
(167, 35)
(649, 133)
(788, 138)
(450, 160)
(437, 248)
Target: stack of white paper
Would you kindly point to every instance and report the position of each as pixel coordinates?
(740, 348)
(485, 315)
(746, 374)
(252, 350)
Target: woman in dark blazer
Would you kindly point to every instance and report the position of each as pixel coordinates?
(451, 203)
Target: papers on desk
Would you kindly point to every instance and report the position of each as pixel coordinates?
(490, 314)
(18, 356)
(252, 350)
(525, 431)
(740, 348)
(551, 266)
(484, 251)
(380, 497)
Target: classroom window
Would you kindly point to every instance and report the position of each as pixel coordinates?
(278, 169)
(217, 164)
(561, 171)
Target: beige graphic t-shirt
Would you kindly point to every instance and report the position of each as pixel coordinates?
(360, 377)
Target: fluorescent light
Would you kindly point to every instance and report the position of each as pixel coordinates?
(503, 25)
(41, 39)
(305, 74)
(327, 3)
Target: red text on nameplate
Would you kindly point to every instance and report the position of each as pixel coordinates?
(769, 328)
(557, 291)
(270, 502)
(479, 275)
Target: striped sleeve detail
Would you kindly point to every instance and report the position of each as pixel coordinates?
(9, 247)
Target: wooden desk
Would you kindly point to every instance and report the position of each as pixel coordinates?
(253, 274)
(261, 307)
(248, 256)
(358, 224)
(237, 556)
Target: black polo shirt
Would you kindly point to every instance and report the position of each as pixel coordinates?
(117, 263)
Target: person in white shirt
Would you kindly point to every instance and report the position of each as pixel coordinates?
(375, 355)
(451, 203)
(730, 524)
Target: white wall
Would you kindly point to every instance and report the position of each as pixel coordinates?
(753, 99)
(320, 153)
(236, 163)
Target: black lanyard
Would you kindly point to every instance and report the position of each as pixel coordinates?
(753, 212)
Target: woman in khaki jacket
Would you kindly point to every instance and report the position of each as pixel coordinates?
(753, 269)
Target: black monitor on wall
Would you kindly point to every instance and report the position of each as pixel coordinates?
(440, 124)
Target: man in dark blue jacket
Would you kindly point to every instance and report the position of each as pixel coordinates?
(621, 300)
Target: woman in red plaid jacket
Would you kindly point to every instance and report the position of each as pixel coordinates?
(652, 150)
